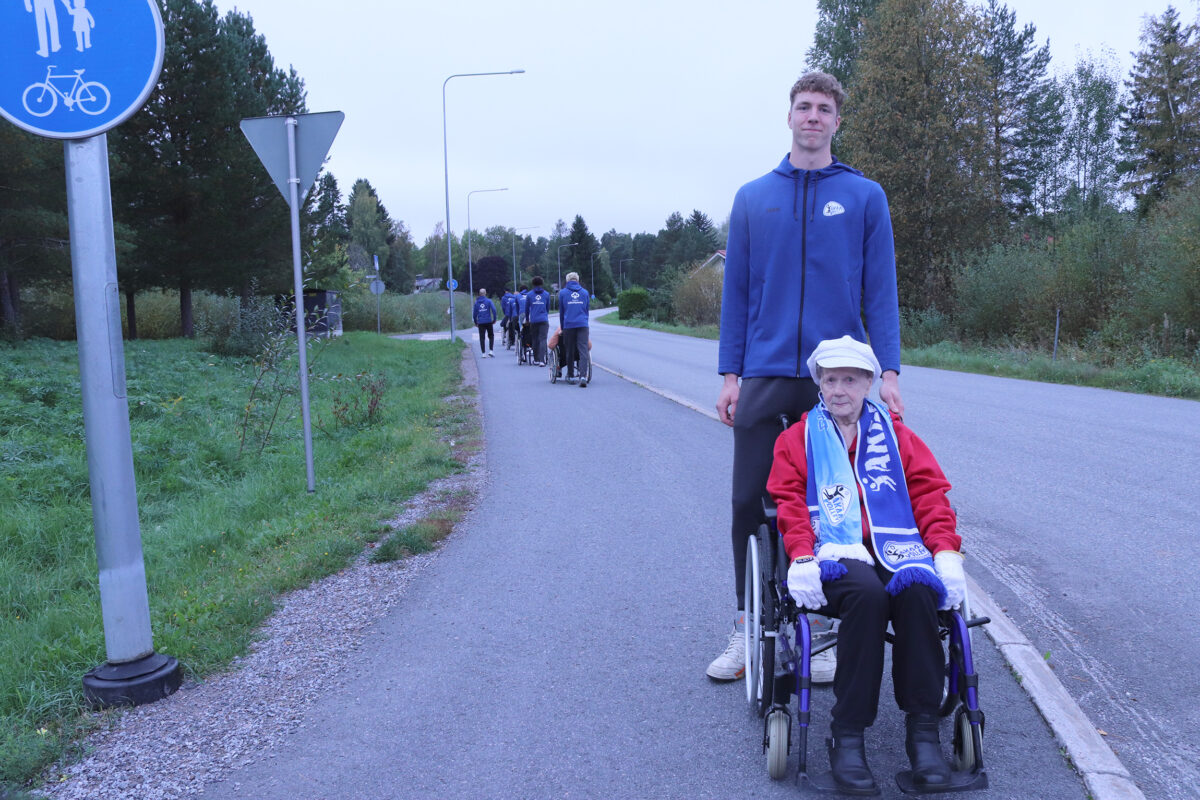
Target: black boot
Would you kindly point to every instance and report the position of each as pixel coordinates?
(848, 765)
(929, 768)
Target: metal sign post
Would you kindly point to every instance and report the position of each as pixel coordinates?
(377, 288)
(76, 90)
(293, 148)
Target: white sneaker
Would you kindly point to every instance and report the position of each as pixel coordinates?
(730, 665)
(823, 665)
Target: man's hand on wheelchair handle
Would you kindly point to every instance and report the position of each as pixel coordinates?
(804, 584)
(948, 564)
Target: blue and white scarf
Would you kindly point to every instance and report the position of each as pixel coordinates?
(833, 483)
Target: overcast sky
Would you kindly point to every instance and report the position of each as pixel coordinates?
(627, 111)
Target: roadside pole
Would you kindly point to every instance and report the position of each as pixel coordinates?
(293, 148)
(122, 71)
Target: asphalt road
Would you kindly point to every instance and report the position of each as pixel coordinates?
(556, 647)
(1077, 507)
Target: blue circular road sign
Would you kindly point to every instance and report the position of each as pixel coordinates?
(70, 70)
(452, 283)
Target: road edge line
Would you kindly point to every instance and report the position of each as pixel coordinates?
(674, 398)
(1103, 773)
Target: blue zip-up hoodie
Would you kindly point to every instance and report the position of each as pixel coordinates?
(506, 302)
(484, 311)
(573, 302)
(538, 305)
(810, 254)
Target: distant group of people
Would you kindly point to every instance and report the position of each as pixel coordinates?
(526, 323)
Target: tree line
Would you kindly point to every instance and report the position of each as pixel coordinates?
(1021, 198)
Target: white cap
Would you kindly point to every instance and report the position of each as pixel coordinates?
(843, 352)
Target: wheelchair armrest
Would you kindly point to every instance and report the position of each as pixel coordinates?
(770, 512)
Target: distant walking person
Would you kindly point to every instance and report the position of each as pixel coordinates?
(573, 302)
(538, 310)
(82, 25)
(484, 315)
(46, 16)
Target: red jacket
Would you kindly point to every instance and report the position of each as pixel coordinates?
(927, 487)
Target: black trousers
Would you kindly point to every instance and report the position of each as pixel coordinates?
(538, 331)
(755, 428)
(865, 607)
(575, 346)
(485, 328)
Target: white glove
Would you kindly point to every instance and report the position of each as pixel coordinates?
(948, 564)
(804, 584)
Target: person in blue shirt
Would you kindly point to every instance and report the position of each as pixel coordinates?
(538, 311)
(810, 257)
(506, 324)
(484, 315)
(573, 303)
(522, 306)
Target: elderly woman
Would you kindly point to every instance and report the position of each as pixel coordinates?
(865, 519)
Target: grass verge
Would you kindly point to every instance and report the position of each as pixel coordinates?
(225, 528)
(701, 332)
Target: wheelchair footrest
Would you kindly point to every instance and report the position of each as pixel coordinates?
(825, 785)
(959, 782)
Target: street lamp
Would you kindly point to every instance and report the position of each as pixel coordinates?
(621, 267)
(446, 169)
(559, 254)
(529, 228)
(470, 269)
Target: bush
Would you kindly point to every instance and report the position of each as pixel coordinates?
(237, 328)
(697, 297)
(924, 328)
(632, 302)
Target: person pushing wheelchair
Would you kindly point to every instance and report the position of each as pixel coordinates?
(872, 538)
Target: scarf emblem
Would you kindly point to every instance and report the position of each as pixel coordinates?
(835, 500)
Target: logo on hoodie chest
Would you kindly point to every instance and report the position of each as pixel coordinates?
(833, 208)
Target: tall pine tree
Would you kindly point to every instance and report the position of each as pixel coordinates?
(1160, 124)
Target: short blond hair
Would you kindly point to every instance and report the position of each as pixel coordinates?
(572, 276)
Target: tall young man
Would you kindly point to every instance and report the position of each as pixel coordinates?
(810, 254)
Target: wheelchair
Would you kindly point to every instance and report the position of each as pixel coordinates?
(556, 360)
(779, 645)
(525, 346)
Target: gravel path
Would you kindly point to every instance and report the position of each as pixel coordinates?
(173, 748)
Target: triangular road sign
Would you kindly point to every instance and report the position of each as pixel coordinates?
(314, 134)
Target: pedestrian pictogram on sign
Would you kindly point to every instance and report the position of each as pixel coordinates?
(70, 71)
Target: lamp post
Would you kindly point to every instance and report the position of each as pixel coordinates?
(470, 264)
(446, 171)
(621, 267)
(514, 242)
(559, 254)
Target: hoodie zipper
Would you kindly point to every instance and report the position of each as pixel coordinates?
(803, 274)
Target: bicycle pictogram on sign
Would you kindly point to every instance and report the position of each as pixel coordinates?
(90, 97)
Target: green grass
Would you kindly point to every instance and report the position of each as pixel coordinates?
(702, 332)
(222, 536)
(1160, 376)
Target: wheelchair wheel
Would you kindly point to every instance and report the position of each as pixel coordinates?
(778, 728)
(968, 749)
(553, 362)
